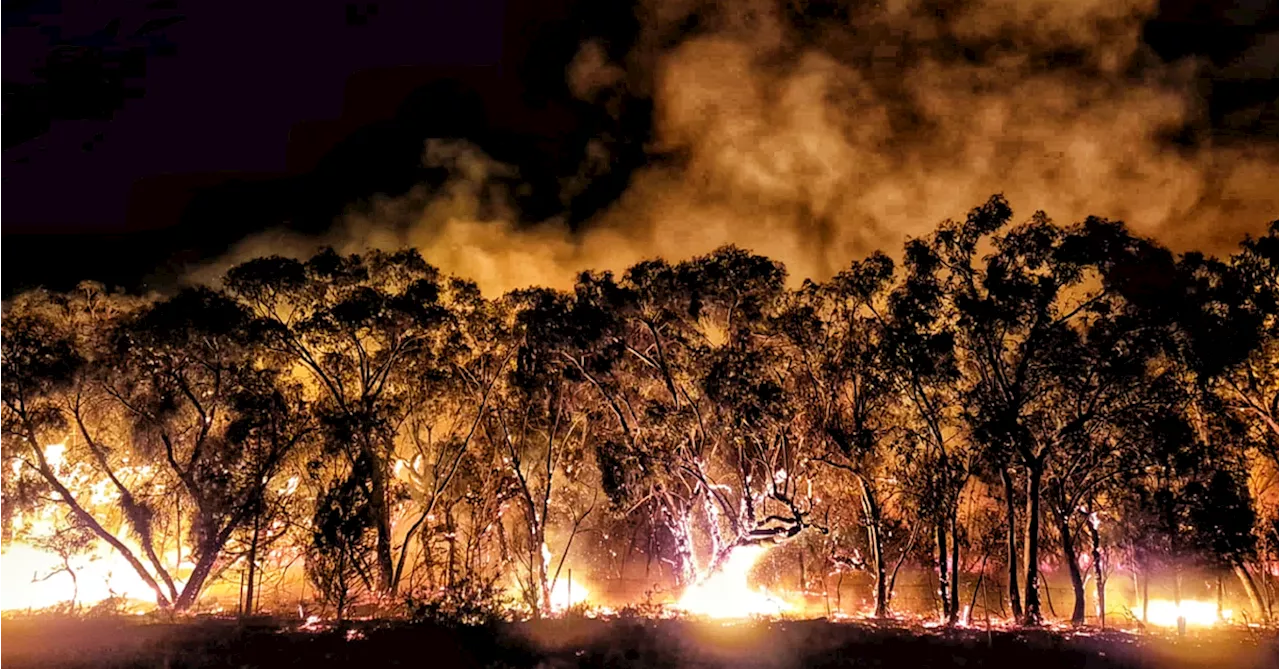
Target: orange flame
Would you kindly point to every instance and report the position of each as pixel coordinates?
(1165, 613)
(726, 593)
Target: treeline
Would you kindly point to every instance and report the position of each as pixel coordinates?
(1011, 392)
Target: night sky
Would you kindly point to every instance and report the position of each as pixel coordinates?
(143, 136)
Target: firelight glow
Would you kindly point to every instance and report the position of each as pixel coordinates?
(1165, 613)
(563, 597)
(34, 579)
(727, 594)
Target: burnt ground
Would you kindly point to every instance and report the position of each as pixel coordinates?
(125, 642)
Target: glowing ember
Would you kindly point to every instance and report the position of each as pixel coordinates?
(726, 593)
(1165, 613)
(564, 597)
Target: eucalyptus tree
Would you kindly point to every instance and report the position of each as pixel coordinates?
(1225, 322)
(1108, 372)
(921, 322)
(371, 332)
(1019, 312)
(690, 375)
(166, 408)
(443, 458)
(1221, 519)
(657, 462)
(758, 460)
(186, 376)
(48, 347)
(845, 394)
(543, 421)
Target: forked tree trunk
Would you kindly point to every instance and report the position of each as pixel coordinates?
(195, 584)
(89, 521)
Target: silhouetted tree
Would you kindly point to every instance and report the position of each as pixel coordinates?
(354, 323)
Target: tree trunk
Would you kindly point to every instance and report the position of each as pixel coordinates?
(92, 523)
(944, 591)
(341, 604)
(681, 535)
(1220, 595)
(1073, 567)
(954, 611)
(1146, 592)
(195, 584)
(382, 520)
(1251, 589)
(973, 599)
(1099, 578)
(75, 589)
(712, 513)
(1031, 609)
(253, 564)
(544, 560)
(871, 510)
(1011, 540)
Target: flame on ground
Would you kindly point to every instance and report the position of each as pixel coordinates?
(35, 579)
(566, 595)
(1165, 613)
(727, 594)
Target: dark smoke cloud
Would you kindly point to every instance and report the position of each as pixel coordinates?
(816, 133)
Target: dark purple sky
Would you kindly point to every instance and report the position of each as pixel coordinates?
(243, 75)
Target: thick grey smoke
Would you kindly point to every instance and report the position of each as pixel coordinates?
(818, 141)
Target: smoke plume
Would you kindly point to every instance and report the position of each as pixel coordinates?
(816, 134)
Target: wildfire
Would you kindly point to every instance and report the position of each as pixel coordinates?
(727, 594)
(565, 595)
(1165, 613)
(35, 579)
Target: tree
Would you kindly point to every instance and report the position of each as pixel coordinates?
(444, 426)
(355, 323)
(1105, 374)
(1222, 518)
(688, 366)
(757, 463)
(45, 361)
(846, 395)
(1019, 311)
(922, 325)
(542, 421)
(1221, 318)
